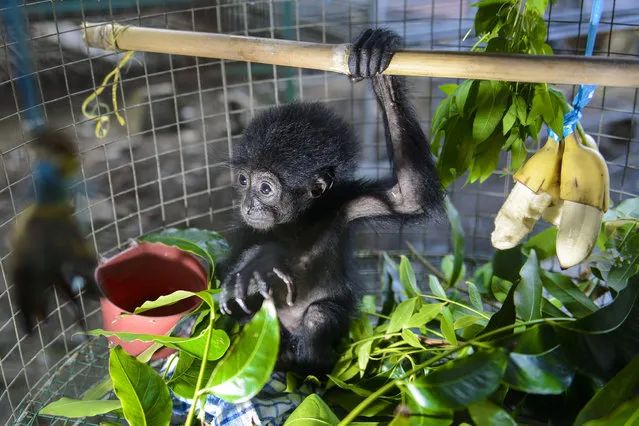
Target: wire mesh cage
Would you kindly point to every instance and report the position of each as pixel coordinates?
(165, 166)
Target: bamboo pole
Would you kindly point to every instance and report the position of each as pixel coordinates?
(600, 71)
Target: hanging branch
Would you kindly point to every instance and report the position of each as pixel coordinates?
(612, 72)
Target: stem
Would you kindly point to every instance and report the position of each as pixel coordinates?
(388, 386)
(200, 377)
(426, 263)
(439, 275)
(453, 302)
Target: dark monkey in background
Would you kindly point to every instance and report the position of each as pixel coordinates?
(294, 173)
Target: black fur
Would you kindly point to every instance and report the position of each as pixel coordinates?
(295, 176)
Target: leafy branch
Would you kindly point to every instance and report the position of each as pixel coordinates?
(479, 119)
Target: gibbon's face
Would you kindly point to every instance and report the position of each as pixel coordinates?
(264, 204)
(267, 202)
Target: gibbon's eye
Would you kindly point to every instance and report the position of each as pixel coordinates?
(316, 192)
(242, 180)
(266, 189)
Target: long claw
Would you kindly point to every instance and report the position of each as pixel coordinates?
(240, 294)
(241, 304)
(224, 308)
(289, 284)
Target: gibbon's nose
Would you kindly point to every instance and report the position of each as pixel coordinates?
(248, 207)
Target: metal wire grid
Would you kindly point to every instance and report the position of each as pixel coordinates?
(165, 168)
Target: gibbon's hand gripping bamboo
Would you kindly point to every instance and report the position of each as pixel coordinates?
(612, 72)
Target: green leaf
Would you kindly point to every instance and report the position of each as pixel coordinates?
(500, 288)
(475, 297)
(363, 355)
(407, 277)
(626, 415)
(193, 345)
(421, 416)
(504, 317)
(212, 242)
(529, 291)
(541, 374)
(521, 108)
(485, 413)
(465, 97)
(182, 244)
(401, 315)
(507, 264)
(457, 152)
(544, 243)
(427, 313)
(184, 378)
(442, 114)
(461, 382)
(518, 152)
(628, 208)
(313, 411)
(248, 364)
(565, 290)
(458, 240)
(436, 287)
(486, 158)
(411, 338)
(549, 108)
(483, 277)
(353, 388)
(612, 395)
(465, 321)
(448, 88)
(487, 15)
(144, 395)
(607, 338)
(100, 390)
(175, 297)
(492, 99)
(77, 408)
(509, 118)
(556, 120)
(400, 419)
(537, 6)
(513, 137)
(448, 329)
(361, 327)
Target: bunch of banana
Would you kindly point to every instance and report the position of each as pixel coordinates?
(568, 185)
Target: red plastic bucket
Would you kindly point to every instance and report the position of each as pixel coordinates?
(144, 273)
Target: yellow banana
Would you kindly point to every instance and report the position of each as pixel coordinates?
(542, 171)
(553, 213)
(537, 184)
(584, 175)
(584, 189)
(577, 233)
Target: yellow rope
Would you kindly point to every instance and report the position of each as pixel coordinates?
(102, 120)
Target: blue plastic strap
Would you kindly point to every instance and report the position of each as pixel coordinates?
(15, 27)
(585, 92)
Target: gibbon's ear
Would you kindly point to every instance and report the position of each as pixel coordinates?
(322, 183)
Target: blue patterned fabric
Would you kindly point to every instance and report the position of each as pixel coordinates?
(271, 407)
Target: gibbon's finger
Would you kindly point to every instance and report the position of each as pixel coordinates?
(261, 285)
(290, 296)
(368, 56)
(224, 299)
(354, 64)
(240, 293)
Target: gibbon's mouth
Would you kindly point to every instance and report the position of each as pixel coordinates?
(262, 224)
